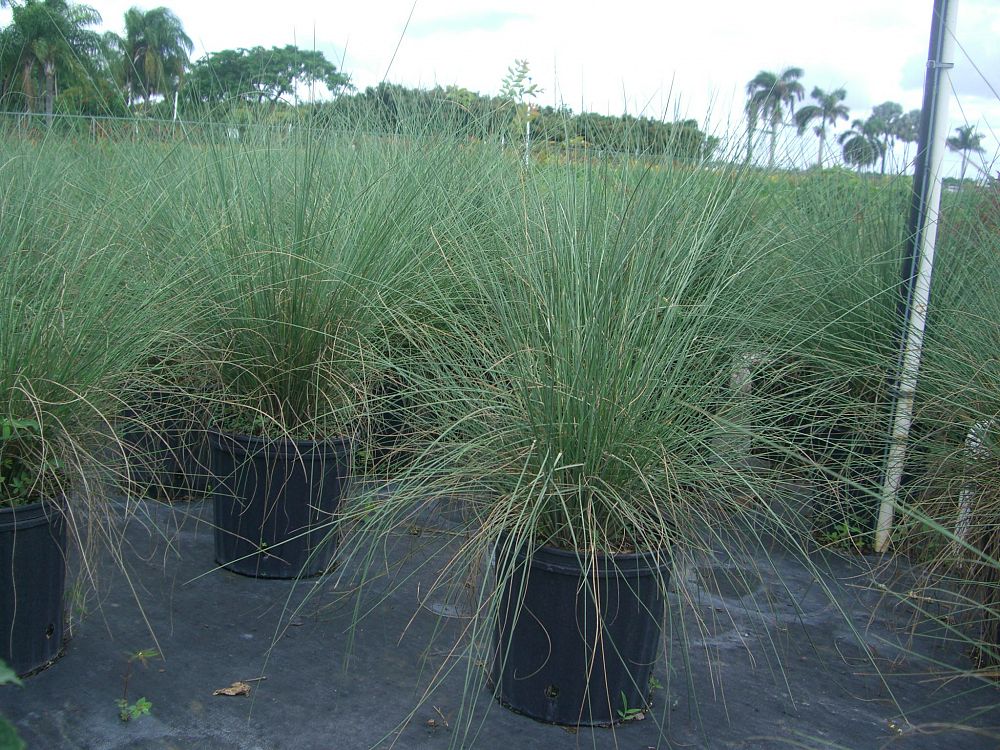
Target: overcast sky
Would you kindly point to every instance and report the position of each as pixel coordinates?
(666, 58)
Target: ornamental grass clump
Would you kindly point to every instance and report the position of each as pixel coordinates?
(601, 361)
(314, 245)
(950, 512)
(82, 312)
(826, 397)
(577, 394)
(318, 249)
(160, 427)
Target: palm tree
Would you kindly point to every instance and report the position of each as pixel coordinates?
(53, 35)
(753, 116)
(769, 94)
(908, 131)
(862, 144)
(967, 142)
(885, 121)
(155, 52)
(828, 109)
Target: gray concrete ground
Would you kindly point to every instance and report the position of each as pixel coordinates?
(762, 654)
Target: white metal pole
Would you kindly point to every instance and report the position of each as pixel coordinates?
(928, 195)
(741, 381)
(975, 452)
(527, 139)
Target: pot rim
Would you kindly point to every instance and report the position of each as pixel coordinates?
(292, 447)
(575, 562)
(29, 515)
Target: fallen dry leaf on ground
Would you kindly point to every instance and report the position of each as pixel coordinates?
(237, 688)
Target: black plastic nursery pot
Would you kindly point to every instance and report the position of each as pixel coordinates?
(390, 424)
(274, 502)
(32, 582)
(165, 449)
(575, 644)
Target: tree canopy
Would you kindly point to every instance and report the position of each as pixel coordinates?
(458, 111)
(885, 121)
(47, 38)
(153, 53)
(258, 74)
(862, 145)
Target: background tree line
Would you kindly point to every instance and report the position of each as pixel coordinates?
(867, 143)
(52, 60)
(387, 106)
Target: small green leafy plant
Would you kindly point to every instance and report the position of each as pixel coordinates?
(629, 713)
(128, 711)
(15, 476)
(845, 535)
(141, 707)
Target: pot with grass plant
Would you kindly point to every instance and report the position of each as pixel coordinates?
(78, 310)
(275, 499)
(280, 440)
(577, 634)
(582, 398)
(307, 268)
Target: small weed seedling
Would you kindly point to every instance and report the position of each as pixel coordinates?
(846, 536)
(128, 711)
(627, 713)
